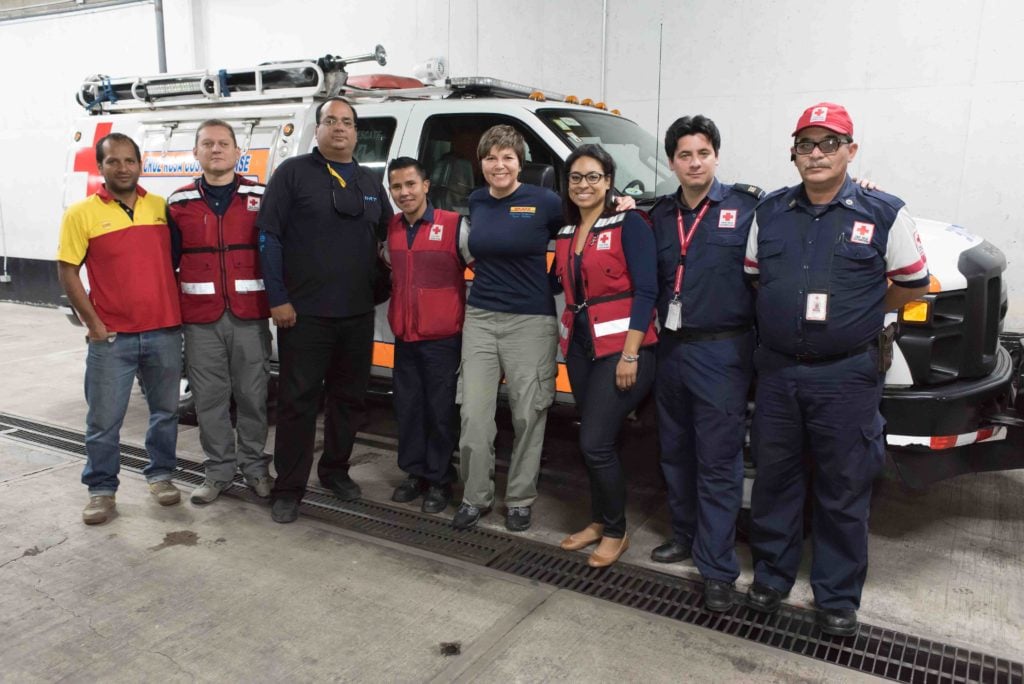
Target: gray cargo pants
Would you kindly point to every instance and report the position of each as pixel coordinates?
(230, 356)
(524, 348)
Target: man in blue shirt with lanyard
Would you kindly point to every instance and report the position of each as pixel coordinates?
(706, 309)
(830, 259)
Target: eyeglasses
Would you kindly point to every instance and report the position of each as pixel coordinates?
(591, 178)
(331, 122)
(826, 145)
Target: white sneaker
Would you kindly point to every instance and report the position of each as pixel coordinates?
(261, 485)
(207, 492)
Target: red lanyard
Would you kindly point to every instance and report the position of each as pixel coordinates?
(684, 244)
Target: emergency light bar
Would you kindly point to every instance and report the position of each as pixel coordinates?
(485, 85)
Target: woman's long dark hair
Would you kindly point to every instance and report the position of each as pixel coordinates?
(569, 209)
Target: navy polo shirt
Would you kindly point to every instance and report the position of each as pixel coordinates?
(846, 249)
(715, 294)
(318, 242)
(509, 240)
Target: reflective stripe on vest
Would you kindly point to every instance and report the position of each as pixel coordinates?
(249, 285)
(199, 288)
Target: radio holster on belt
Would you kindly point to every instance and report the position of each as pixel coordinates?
(886, 339)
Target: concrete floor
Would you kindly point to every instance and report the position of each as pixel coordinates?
(220, 592)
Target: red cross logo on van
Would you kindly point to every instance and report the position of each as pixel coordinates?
(85, 159)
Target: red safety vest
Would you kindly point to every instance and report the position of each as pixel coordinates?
(607, 287)
(220, 264)
(428, 295)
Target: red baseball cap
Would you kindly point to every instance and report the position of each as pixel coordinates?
(827, 115)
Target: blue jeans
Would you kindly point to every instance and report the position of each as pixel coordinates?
(110, 369)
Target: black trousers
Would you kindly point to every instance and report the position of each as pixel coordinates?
(424, 382)
(603, 408)
(319, 354)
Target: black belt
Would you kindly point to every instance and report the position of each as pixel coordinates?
(815, 358)
(703, 335)
(577, 308)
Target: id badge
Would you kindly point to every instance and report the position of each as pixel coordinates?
(674, 316)
(816, 310)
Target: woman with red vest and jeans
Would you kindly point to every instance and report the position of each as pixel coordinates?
(606, 263)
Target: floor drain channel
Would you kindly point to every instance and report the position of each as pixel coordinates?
(876, 651)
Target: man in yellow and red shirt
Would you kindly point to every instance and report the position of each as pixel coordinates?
(120, 234)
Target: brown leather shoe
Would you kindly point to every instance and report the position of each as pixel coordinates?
(591, 534)
(599, 560)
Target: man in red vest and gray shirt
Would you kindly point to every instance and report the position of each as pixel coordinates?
(225, 310)
(428, 251)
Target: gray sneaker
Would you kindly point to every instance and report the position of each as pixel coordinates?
(165, 492)
(207, 492)
(98, 510)
(261, 485)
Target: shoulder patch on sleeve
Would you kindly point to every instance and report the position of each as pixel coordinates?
(748, 189)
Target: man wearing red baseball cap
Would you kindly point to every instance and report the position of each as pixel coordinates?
(830, 259)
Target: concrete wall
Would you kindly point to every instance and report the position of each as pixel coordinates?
(936, 90)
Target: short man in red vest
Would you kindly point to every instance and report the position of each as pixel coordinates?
(428, 252)
(224, 308)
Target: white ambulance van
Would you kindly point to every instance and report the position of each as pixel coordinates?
(951, 395)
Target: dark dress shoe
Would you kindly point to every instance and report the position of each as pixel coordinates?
(841, 622)
(344, 487)
(437, 499)
(718, 595)
(467, 516)
(670, 552)
(764, 599)
(408, 491)
(285, 510)
(517, 519)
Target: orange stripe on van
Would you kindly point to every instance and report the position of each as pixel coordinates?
(384, 354)
(562, 381)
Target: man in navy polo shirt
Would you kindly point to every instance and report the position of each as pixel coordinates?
(706, 308)
(830, 259)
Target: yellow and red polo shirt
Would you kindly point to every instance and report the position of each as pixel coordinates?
(132, 285)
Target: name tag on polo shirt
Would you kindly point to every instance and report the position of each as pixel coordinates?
(816, 309)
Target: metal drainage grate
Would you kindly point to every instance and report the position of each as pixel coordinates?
(876, 651)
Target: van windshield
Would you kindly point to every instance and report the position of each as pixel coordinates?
(641, 171)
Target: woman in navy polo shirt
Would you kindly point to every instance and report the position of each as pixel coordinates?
(510, 328)
(606, 262)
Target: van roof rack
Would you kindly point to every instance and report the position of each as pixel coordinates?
(313, 79)
(288, 80)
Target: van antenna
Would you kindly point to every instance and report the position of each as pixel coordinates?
(657, 114)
